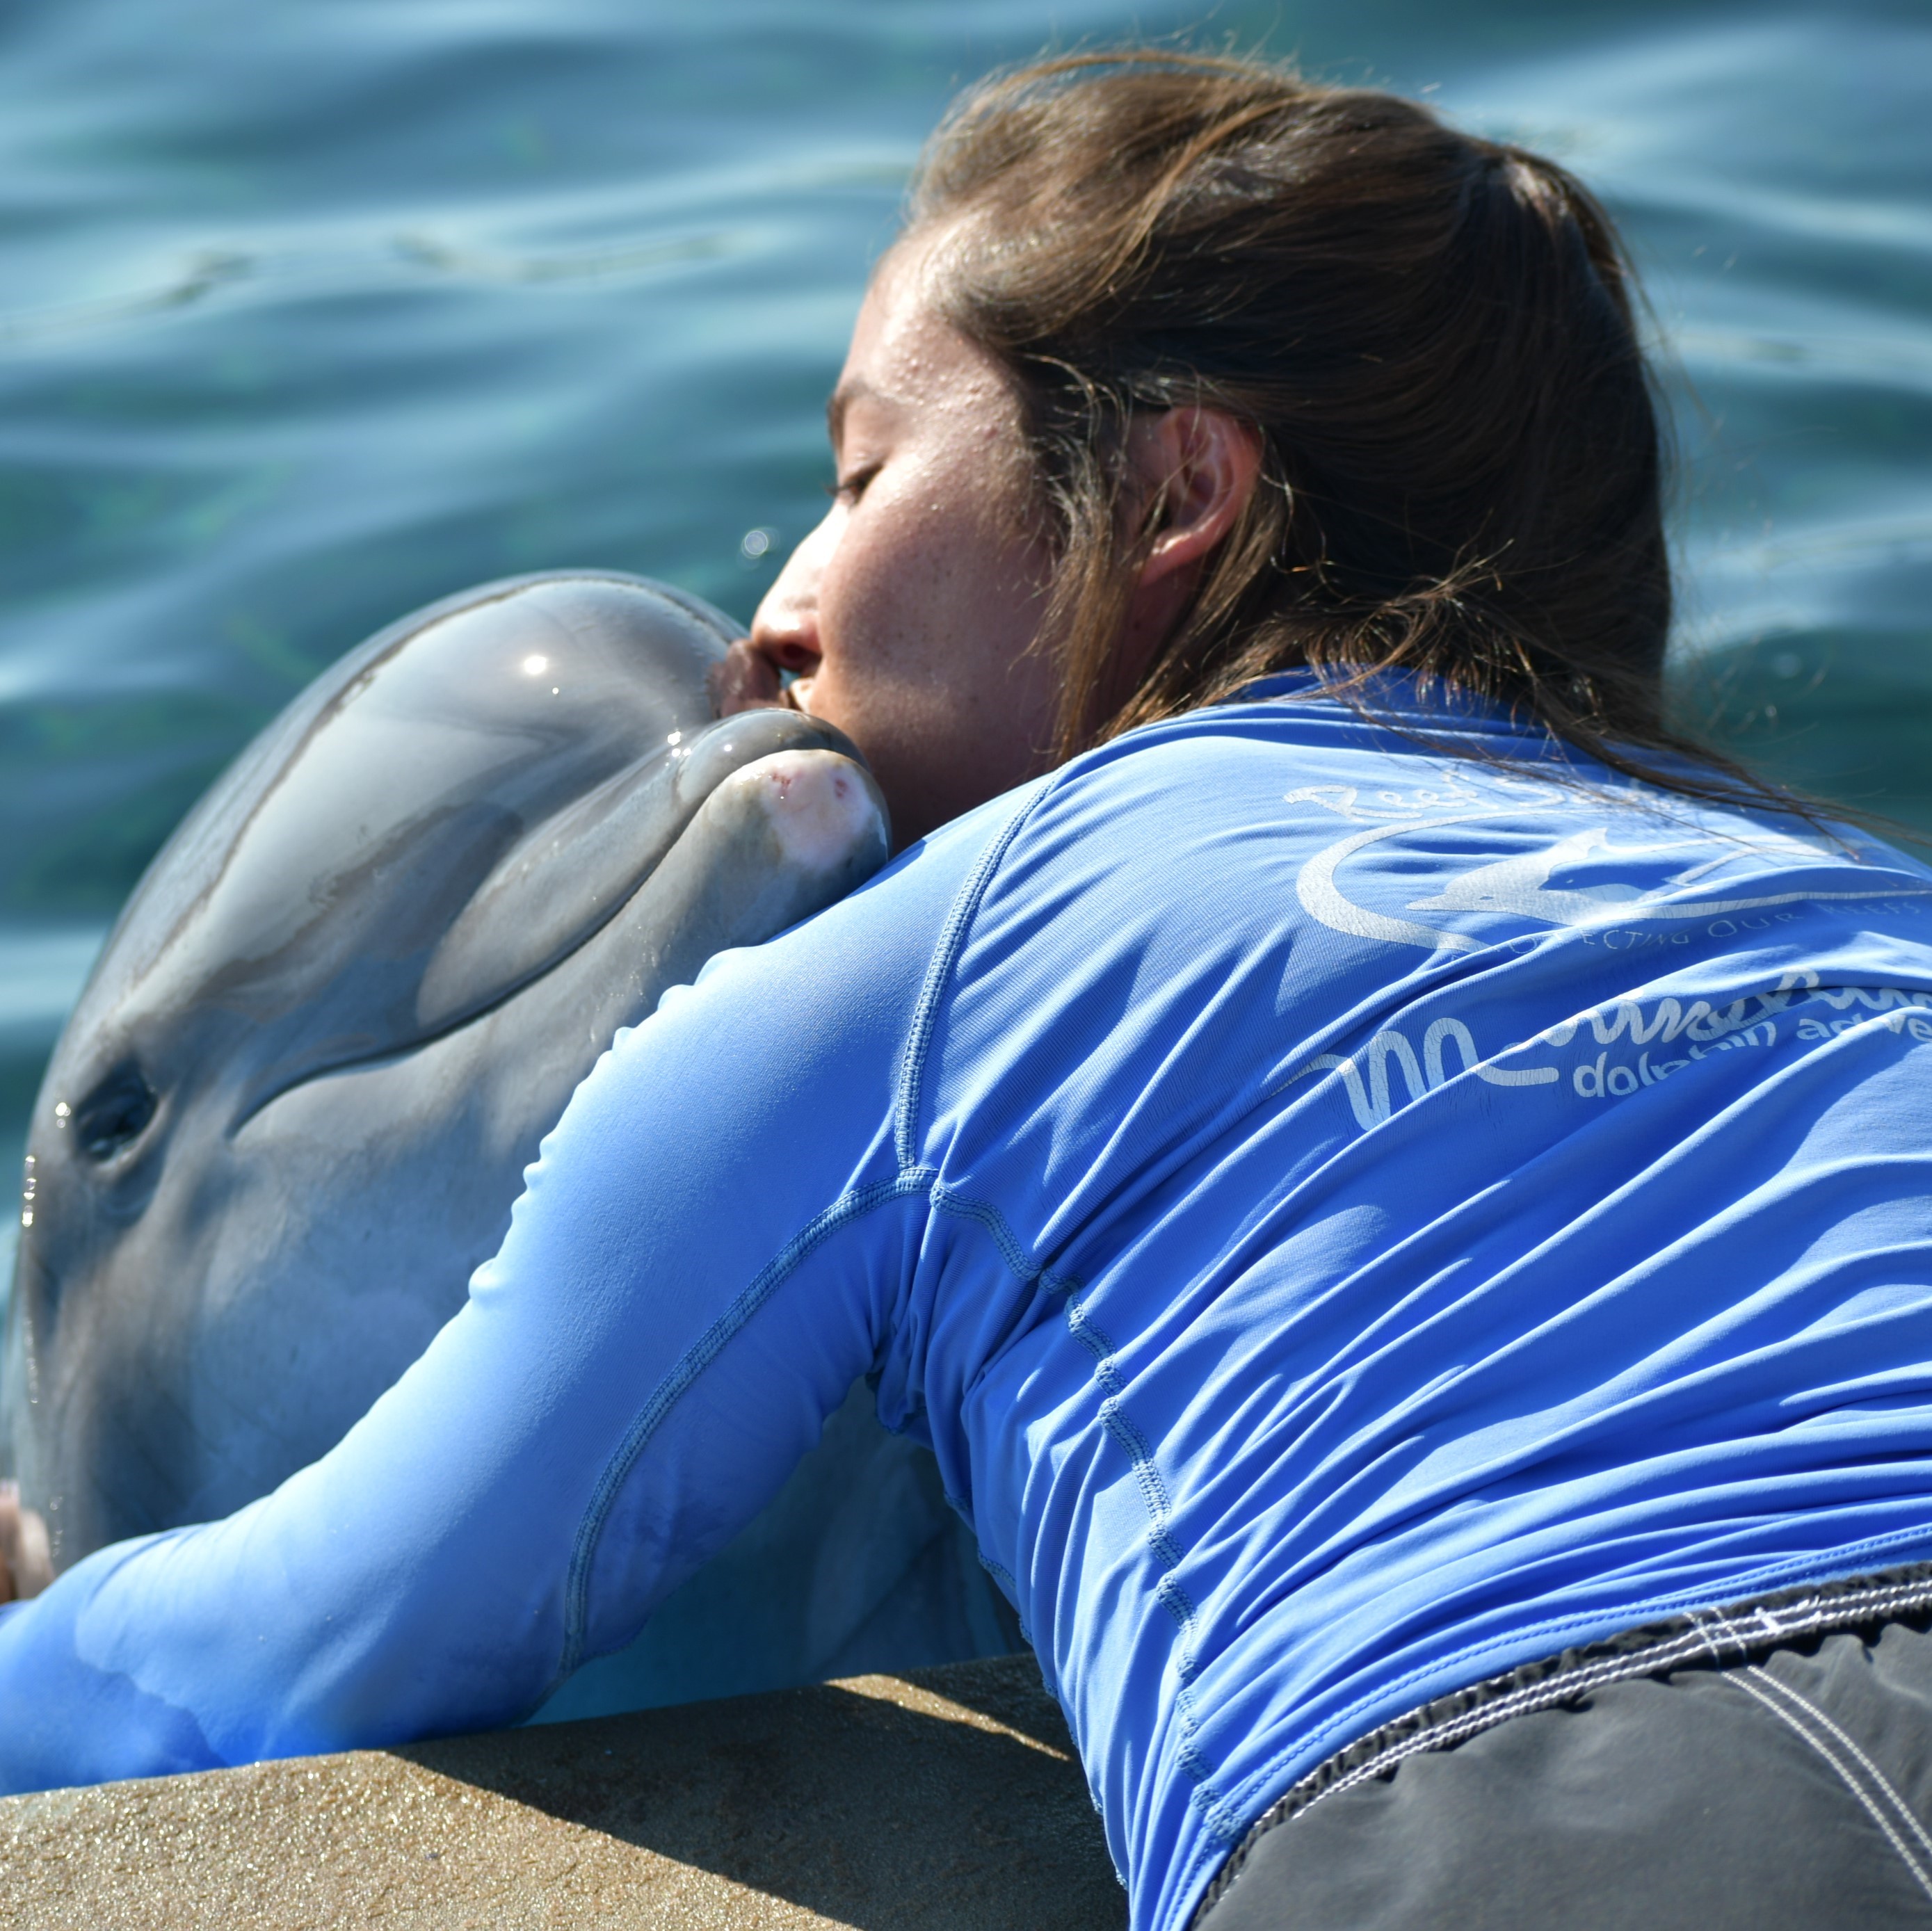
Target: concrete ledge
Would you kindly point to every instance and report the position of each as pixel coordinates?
(948, 1800)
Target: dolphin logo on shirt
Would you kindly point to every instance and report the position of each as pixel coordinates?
(1520, 887)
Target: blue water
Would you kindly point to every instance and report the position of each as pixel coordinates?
(315, 310)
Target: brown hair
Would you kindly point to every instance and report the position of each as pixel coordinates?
(1434, 334)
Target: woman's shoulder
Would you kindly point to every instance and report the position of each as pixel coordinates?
(1175, 855)
(1206, 799)
(1419, 838)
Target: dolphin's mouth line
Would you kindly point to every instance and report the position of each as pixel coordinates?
(435, 1036)
(644, 857)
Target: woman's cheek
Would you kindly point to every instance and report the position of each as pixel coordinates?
(874, 602)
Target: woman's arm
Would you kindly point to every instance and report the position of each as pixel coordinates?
(708, 1254)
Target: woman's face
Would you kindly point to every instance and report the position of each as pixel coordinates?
(911, 613)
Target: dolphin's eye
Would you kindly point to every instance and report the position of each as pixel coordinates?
(114, 1113)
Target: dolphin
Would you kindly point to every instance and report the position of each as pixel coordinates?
(290, 1112)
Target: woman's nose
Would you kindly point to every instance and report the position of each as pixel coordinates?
(784, 629)
(785, 637)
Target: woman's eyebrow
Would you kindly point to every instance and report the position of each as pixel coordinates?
(853, 388)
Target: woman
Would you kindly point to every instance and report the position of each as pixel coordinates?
(1395, 1191)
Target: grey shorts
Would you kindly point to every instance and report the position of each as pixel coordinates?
(1766, 1766)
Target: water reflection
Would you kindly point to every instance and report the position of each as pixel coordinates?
(317, 312)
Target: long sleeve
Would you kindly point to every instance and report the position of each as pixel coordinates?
(706, 1256)
(1346, 1222)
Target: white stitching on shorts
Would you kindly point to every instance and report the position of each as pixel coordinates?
(1776, 1627)
(1779, 1687)
(1822, 1613)
(1871, 1770)
(1844, 1775)
(1547, 1695)
(1726, 1627)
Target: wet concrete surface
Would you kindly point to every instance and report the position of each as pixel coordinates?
(948, 1800)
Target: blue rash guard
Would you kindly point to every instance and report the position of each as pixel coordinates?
(1349, 1218)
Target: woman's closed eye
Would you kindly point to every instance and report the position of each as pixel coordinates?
(849, 488)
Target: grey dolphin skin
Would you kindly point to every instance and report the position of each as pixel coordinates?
(290, 1113)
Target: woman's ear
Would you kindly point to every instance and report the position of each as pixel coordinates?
(1191, 472)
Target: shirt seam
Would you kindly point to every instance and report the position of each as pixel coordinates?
(945, 954)
(1114, 1418)
(851, 1205)
(1168, 1591)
